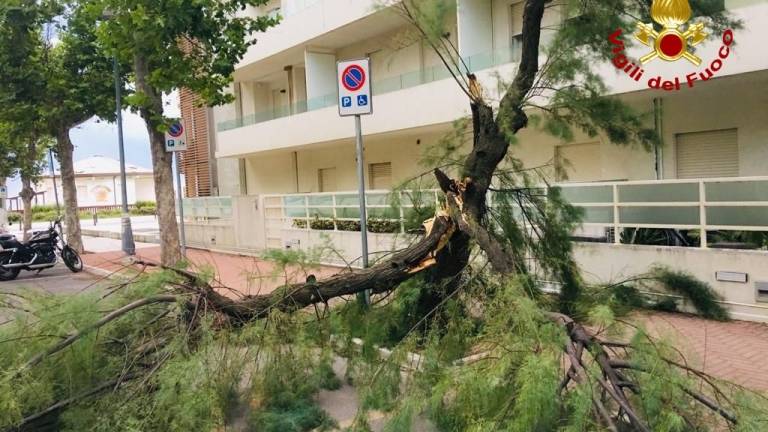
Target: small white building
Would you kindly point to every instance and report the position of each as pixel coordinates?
(98, 183)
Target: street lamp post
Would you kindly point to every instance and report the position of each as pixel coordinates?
(129, 247)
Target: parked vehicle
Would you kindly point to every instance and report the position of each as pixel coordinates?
(40, 252)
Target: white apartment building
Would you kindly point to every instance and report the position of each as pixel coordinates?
(286, 160)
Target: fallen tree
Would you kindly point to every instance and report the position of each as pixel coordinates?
(185, 349)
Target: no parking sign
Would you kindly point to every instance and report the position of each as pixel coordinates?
(176, 137)
(354, 82)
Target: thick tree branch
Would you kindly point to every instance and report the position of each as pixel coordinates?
(380, 278)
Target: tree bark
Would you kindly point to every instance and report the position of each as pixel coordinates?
(26, 194)
(4, 224)
(382, 277)
(170, 252)
(69, 190)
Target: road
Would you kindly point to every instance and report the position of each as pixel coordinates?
(58, 280)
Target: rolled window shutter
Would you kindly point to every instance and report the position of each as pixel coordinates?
(380, 175)
(707, 154)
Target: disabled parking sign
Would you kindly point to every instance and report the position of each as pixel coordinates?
(354, 82)
(176, 137)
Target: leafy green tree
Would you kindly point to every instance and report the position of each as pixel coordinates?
(79, 85)
(172, 44)
(23, 55)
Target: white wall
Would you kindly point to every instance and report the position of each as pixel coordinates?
(274, 172)
(730, 102)
(605, 263)
(306, 24)
(145, 189)
(475, 26)
(320, 73)
(270, 173)
(101, 190)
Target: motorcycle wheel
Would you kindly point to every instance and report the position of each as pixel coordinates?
(72, 259)
(8, 274)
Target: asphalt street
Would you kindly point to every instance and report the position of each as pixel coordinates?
(57, 280)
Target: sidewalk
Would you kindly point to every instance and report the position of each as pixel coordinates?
(237, 275)
(735, 350)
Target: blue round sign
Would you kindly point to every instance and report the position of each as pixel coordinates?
(176, 130)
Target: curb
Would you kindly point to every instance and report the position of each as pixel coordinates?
(100, 272)
(141, 238)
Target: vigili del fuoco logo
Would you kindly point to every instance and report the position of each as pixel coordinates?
(672, 43)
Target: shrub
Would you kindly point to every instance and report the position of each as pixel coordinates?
(346, 225)
(14, 217)
(321, 224)
(300, 223)
(383, 226)
(144, 208)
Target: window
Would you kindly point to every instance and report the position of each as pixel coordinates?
(578, 162)
(380, 175)
(707, 154)
(516, 25)
(326, 179)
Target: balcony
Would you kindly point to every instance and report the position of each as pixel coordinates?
(305, 21)
(423, 97)
(379, 87)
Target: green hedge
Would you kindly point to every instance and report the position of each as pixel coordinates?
(47, 213)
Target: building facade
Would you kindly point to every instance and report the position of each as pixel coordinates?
(98, 183)
(285, 160)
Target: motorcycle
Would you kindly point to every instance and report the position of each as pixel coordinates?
(40, 252)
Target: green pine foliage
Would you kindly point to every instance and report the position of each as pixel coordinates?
(703, 298)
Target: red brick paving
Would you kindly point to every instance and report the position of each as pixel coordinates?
(237, 274)
(736, 351)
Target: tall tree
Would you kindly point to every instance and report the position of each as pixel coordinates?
(23, 55)
(148, 35)
(79, 85)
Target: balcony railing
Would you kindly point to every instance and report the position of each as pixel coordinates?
(340, 211)
(724, 204)
(207, 208)
(381, 86)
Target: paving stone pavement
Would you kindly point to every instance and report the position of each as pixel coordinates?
(736, 351)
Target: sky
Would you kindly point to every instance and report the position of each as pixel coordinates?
(98, 137)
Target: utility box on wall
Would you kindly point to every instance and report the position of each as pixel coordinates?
(761, 291)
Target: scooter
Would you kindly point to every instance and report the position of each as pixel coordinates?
(40, 252)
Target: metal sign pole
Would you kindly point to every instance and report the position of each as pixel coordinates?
(182, 233)
(53, 176)
(366, 296)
